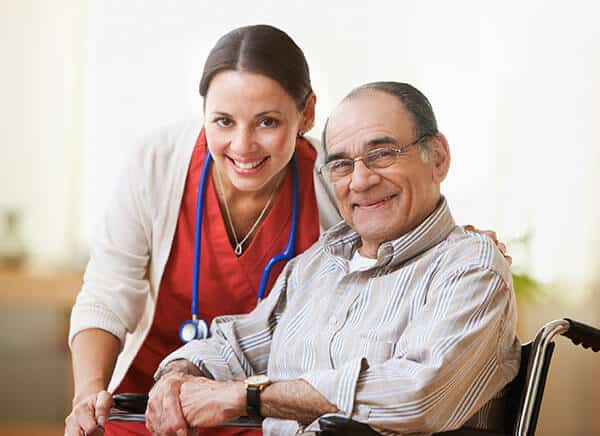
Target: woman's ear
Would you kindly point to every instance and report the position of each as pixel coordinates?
(308, 114)
(440, 157)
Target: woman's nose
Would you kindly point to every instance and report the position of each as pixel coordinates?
(242, 140)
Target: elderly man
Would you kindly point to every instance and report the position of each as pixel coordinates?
(396, 317)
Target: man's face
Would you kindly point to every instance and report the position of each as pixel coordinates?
(385, 203)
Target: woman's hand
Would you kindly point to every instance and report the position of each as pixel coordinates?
(492, 235)
(163, 414)
(208, 403)
(89, 414)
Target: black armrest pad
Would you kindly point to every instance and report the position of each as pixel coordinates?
(338, 425)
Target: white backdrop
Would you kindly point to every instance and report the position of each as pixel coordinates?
(514, 86)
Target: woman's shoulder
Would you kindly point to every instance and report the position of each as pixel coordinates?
(176, 139)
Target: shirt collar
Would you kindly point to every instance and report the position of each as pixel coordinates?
(341, 241)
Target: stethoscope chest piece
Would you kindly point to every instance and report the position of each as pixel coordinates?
(193, 329)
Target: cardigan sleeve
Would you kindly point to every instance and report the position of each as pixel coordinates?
(328, 210)
(116, 285)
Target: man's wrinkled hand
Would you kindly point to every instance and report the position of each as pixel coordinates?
(163, 414)
(89, 415)
(208, 403)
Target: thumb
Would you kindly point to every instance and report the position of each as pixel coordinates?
(103, 404)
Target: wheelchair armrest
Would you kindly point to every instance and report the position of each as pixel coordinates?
(131, 403)
(338, 425)
(132, 407)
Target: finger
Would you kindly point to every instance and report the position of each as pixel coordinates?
(469, 228)
(173, 415)
(501, 247)
(84, 414)
(492, 235)
(508, 259)
(72, 427)
(102, 407)
(150, 415)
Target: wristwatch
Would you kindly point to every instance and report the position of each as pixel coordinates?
(254, 385)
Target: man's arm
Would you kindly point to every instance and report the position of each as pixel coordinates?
(295, 400)
(458, 351)
(206, 403)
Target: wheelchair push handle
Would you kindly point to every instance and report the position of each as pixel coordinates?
(580, 333)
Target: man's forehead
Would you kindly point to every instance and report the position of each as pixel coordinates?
(363, 117)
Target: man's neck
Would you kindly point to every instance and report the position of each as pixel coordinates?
(369, 249)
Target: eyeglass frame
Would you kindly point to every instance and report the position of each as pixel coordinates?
(326, 172)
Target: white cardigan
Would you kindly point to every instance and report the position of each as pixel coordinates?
(133, 241)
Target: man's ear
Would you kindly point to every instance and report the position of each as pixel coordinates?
(308, 114)
(440, 157)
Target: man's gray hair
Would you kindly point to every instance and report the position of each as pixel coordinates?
(415, 102)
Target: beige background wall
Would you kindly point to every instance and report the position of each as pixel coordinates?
(515, 87)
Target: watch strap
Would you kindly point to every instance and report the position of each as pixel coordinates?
(253, 401)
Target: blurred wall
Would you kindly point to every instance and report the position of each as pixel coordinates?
(514, 85)
(42, 120)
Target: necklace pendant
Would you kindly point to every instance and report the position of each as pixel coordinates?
(238, 249)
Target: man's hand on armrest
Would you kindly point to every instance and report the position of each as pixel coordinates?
(164, 414)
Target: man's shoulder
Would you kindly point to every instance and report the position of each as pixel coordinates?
(463, 249)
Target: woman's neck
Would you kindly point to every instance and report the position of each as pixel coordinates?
(246, 208)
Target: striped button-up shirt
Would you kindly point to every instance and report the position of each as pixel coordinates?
(418, 343)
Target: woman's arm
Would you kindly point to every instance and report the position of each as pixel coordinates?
(95, 352)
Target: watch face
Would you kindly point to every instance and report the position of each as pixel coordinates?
(257, 380)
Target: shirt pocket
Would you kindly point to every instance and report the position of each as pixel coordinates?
(373, 349)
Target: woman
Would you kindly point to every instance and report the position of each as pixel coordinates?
(258, 103)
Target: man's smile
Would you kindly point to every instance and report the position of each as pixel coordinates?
(373, 204)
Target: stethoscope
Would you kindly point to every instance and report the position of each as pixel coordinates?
(197, 328)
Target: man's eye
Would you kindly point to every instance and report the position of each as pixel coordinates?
(223, 122)
(268, 122)
(382, 156)
(341, 165)
(382, 153)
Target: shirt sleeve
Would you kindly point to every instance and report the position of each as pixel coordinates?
(116, 284)
(458, 351)
(239, 345)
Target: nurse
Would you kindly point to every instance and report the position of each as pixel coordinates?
(137, 290)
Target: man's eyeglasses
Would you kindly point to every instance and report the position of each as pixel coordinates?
(378, 158)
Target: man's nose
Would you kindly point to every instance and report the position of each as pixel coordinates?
(363, 178)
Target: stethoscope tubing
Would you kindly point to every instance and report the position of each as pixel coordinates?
(198, 238)
(287, 254)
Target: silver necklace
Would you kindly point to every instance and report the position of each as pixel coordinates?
(240, 244)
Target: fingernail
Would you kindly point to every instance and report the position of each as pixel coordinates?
(101, 421)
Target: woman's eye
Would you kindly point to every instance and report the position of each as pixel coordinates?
(269, 122)
(223, 122)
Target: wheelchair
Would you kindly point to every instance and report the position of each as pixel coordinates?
(522, 401)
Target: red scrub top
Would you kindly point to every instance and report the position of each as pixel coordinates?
(228, 283)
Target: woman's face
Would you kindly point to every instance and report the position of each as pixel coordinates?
(251, 128)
